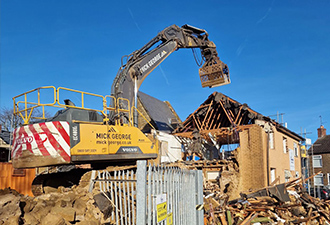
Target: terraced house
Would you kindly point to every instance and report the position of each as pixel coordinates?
(320, 153)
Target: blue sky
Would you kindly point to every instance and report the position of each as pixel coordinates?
(278, 52)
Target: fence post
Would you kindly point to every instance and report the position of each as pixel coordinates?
(199, 197)
(141, 192)
(92, 181)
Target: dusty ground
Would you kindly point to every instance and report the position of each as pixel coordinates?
(63, 207)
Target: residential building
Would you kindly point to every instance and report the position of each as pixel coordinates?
(159, 117)
(268, 153)
(319, 154)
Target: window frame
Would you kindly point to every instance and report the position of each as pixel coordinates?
(271, 140)
(318, 176)
(319, 158)
(295, 149)
(285, 145)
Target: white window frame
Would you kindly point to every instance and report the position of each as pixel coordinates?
(271, 140)
(285, 144)
(320, 176)
(295, 149)
(272, 175)
(317, 157)
(328, 176)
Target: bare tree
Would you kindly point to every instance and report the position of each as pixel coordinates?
(9, 121)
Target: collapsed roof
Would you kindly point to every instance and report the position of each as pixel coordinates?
(221, 118)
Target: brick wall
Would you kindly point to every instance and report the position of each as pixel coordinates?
(252, 159)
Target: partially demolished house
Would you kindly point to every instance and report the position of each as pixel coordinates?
(267, 152)
(159, 117)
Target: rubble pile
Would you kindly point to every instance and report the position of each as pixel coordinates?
(300, 209)
(224, 183)
(280, 204)
(63, 207)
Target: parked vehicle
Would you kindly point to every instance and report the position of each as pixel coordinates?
(324, 193)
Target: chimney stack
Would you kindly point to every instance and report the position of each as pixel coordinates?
(321, 132)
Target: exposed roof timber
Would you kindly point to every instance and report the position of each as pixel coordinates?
(216, 112)
(220, 135)
(219, 111)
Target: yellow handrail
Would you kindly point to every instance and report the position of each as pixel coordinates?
(132, 119)
(119, 107)
(109, 107)
(29, 109)
(82, 99)
(29, 106)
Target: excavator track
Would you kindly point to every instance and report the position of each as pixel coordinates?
(37, 185)
(54, 180)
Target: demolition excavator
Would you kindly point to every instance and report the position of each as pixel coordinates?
(109, 135)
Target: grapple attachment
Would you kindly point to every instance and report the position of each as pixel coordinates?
(214, 74)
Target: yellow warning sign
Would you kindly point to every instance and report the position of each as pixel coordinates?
(161, 211)
(169, 219)
(161, 207)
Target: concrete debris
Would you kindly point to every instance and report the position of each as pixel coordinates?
(221, 177)
(65, 206)
(281, 204)
(9, 207)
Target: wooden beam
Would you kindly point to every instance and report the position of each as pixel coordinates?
(198, 125)
(238, 114)
(224, 109)
(208, 110)
(216, 115)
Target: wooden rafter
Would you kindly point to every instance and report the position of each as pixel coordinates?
(208, 110)
(238, 114)
(221, 133)
(224, 109)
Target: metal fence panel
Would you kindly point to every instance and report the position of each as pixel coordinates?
(134, 193)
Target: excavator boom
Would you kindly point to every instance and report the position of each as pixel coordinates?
(77, 135)
(143, 61)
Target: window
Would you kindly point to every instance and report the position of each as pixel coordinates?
(272, 175)
(271, 140)
(318, 180)
(285, 146)
(317, 161)
(328, 175)
(287, 175)
(295, 149)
